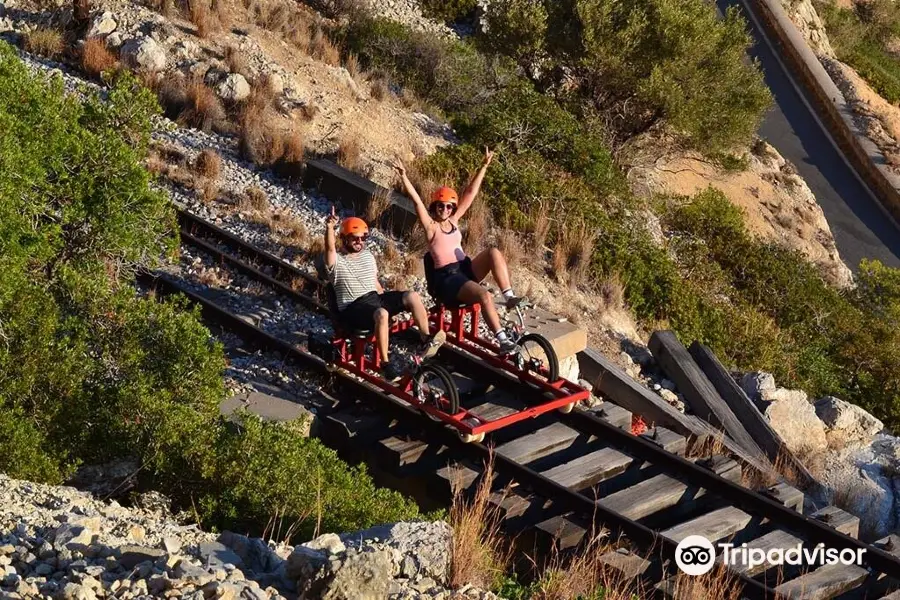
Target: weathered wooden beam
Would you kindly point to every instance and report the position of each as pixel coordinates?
(754, 421)
(697, 390)
(824, 583)
(663, 492)
(539, 444)
(618, 386)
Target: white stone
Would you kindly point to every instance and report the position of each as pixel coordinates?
(276, 83)
(144, 53)
(234, 88)
(845, 422)
(329, 542)
(795, 420)
(757, 383)
(114, 40)
(103, 24)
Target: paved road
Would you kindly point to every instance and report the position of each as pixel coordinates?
(860, 227)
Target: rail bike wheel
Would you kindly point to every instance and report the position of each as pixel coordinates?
(537, 355)
(433, 385)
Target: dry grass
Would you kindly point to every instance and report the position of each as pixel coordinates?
(255, 199)
(309, 111)
(45, 42)
(711, 445)
(612, 292)
(201, 108)
(478, 553)
(208, 164)
(572, 254)
(323, 49)
(718, 584)
(353, 67)
(213, 277)
(202, 17)
(378, 203)
(208, 192)
(390, 256)
(540, 227)
(289, 229)
(477, 226)
(509, 243)
(413, 265)
(260, 139)
(96, 57)
(237, 62)
(379, 89)
(349, 154)
(580, 575)
(316, 246)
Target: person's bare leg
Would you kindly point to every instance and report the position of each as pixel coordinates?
(382, 331)
(492, 261)
(472, 293)
(413, 302)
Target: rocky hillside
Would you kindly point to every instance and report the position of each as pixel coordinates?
(57, 542)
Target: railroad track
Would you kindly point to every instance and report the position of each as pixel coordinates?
(572, 474)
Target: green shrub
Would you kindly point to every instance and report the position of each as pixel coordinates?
(268, 469)
(516, 28)
(860, 39)
(22, 452)
(90, 371)
(674, 57)
(448, 10)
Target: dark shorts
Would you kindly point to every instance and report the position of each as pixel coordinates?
(449, 280)
(360, 314)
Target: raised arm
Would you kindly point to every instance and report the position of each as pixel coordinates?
(474, 186)
(330, 250)
(421, 210)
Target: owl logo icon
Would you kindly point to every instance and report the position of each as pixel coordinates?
(695, 555)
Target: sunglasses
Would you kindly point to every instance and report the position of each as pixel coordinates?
(444, 206)
(356, 238)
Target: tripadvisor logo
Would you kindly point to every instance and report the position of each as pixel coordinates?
(696, 555)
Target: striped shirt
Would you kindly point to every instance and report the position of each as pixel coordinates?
(353, 276)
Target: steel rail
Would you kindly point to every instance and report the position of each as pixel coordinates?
(752, 502)
(564, 499)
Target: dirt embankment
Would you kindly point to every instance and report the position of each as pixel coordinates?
(778, 205)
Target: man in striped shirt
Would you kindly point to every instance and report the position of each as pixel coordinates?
(361, 301)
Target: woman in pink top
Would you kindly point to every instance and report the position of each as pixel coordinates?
(457, 278)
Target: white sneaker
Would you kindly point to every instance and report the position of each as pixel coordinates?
(431, 347)
(507, 345)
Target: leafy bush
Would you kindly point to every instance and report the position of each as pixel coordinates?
(89, 371)
(516, 28)
(860, 38)
(675, 58)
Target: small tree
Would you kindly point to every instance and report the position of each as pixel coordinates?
(516, 28)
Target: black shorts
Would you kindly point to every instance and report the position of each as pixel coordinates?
(360, 314)
(449, 279)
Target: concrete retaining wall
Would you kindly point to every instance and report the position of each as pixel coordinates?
(830, 104)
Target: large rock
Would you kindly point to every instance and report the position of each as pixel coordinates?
(234, 88)
(423, 548)
(360, 576)
(305, 563)
(757, 384)
(846, 423)
(73, 536)
(217, 554)
(795, 420)
(863, 481)
(103, 24)
(145, 54)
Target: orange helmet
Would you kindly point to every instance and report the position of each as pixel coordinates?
(445, 194)
(354, 226)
